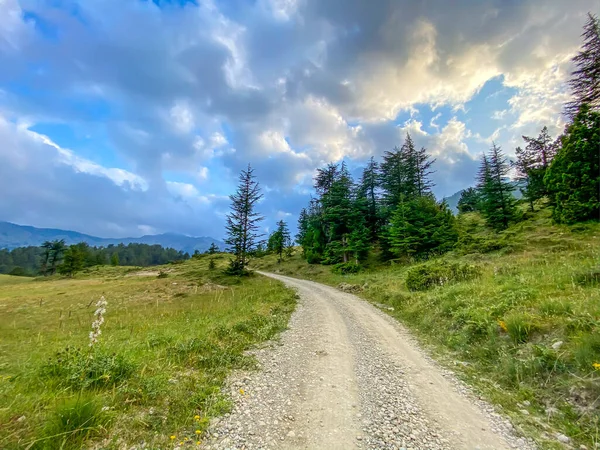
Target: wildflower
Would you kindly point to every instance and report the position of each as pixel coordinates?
(596, 366)
(198, 431)
(99, 320)
(172, 437)
(196, 417)
(502, 324)
(181, 443)
(242, 391)
(198, 443)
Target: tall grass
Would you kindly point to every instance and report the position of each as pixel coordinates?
(166, 347)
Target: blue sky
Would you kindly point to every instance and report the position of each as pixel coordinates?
(128, 117)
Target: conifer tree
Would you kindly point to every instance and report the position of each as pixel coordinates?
(421, 226)
(213, 249)
(573, 178)
(280, 240)
(242, 222)
(368, 198)
(497, 202)
(468, 201)
(585, 79)
(532, 163)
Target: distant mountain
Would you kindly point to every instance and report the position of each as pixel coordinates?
(454, 198)
(13, 235)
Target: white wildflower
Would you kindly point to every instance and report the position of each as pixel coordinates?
(99, 320)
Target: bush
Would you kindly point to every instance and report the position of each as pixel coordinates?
(440, 273)
(346, 268)
(77, 369)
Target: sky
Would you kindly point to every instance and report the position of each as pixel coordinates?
(130, 117)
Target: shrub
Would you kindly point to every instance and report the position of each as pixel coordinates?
(439, 273)
(211, 264)
(591, 278)
(346, 268)
(162, 274)
(77, 369)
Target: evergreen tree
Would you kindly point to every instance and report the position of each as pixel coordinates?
(393, 179)
(368, 196)
(421, 167)
(497, 202)
(47, 251)
(532, 163)
(213, 249)
(114, 259)
(302, 229)
(73, 260)
(57, 249)
(573, 178)
(338, 215)
(585, 79)
(280, 240)
(242, 222)
(421, 226)
(469, 200)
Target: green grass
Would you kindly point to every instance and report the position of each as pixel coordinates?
(538, 284)
(167, 344)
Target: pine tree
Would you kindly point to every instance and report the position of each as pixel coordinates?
(280, 240)
(57, 249)
(47, 251)
(532, 163)
(497, 202)
(393, 178)
(73, 261)
(242, 222)
(468, 201)
(368, 196)
(585, 79)
(421, 227)
(213, 249)
(422, 171)
(573, 178)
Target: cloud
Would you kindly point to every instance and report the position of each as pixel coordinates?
(177, 98)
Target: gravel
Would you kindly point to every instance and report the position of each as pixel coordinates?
(345, 375)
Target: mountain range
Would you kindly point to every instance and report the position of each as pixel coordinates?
(13, 235)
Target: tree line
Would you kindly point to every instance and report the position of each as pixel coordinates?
(392, 208)
(57, 257)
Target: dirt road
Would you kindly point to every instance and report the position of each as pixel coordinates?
(344, 376)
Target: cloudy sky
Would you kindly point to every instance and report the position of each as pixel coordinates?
(129, 117)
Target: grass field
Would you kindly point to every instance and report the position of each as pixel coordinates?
(170, 337)
(501, 330)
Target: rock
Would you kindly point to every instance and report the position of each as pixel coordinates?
(524, 412)
(291, 434)
(562, 438)
(557, 345)
(346, 287)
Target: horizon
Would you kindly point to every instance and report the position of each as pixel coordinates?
(138, 122)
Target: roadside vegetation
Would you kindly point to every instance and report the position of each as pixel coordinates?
(168, 337)
(517, 314)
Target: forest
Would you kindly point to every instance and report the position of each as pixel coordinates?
(56, 256)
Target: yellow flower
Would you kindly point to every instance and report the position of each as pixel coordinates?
(198, 443)
(172, 437)
(181, 443)
(596, 366)
(502, 324)
(198, 431)
(242, 391)
(196, 417)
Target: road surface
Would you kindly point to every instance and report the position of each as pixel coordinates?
(344, 376)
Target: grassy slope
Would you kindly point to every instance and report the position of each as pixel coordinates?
(166, 346)
(543, 287)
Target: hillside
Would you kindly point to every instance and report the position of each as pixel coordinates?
(13, 236)
(516, 313)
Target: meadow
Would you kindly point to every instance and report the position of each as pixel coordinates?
(170, 337)
(521, 323)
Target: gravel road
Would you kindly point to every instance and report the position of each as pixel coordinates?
(345, 375)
